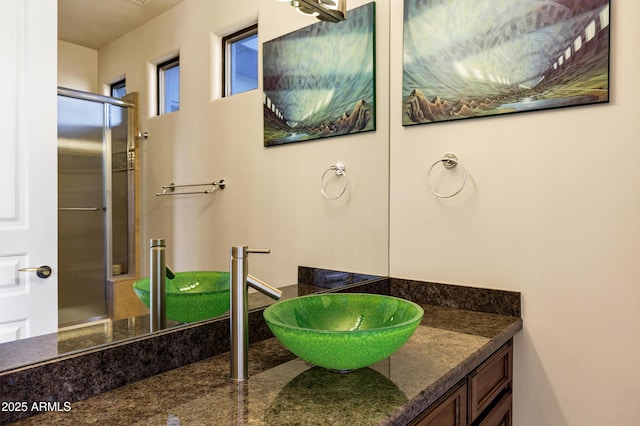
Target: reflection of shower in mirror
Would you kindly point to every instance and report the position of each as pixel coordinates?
(96, 212)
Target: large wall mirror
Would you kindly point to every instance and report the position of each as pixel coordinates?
(272, 198)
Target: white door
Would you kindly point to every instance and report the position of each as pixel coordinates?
(28, 168)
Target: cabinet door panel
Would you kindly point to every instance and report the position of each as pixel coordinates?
(488, 380)
(451, 410)
(501, 413)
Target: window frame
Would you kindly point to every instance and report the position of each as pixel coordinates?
(117, 85)
(227, 41)
(161, 70)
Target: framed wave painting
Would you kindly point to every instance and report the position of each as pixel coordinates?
(465, 59)
(319, 81)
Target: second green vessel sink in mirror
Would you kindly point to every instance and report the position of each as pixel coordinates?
(343, 331)
(191, 296)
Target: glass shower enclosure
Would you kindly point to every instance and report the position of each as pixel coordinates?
(95, 202)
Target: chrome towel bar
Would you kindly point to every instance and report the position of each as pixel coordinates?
(80, 209)
(171, 188)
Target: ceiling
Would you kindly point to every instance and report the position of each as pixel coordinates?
(95, 23)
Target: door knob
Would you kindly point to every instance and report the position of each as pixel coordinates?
(42, 271)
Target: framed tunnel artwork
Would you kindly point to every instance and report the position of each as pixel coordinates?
(465, 59)
(319, 81)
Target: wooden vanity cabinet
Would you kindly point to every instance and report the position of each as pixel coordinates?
(483, 398)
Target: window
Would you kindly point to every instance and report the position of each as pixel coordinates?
(240, 61)
(577, 43)
(604, 17)
(169, 86)
(118, 89)
(590, 31)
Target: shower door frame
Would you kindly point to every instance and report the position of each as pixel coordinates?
(130, 103)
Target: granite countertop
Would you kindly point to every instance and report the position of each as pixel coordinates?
(50, 346)
(282, 389)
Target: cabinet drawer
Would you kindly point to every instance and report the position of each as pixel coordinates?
(500, 415)
(489, 379)
(450, 410)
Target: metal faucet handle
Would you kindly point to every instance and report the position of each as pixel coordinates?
(258, 251)
(240, 252)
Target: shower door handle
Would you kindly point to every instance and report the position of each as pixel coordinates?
(43, 271)
(80, 209)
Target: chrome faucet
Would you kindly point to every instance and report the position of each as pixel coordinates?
(239, 281)
(158, 273)
(157, 284)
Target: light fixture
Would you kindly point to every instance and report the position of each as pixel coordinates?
(325, 10)
(139, 2)
(303, 9)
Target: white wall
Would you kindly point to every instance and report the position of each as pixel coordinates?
(77, 67)
(273, 198)
(552, 209)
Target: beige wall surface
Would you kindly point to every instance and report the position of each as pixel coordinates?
(550, 209)
(273, 197)
(77, 67)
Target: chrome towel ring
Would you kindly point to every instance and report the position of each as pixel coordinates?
(339, 169)
(449, 161)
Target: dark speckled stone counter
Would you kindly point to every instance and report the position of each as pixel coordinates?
(180, 375)
(57, 345)
(283, 390)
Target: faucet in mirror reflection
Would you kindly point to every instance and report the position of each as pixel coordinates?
(158, 274)
(239, 311)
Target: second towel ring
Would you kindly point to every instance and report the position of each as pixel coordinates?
(449, 161)
(339, 168)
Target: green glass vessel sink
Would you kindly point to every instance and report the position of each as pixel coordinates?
(343, 332)
(191, 296)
